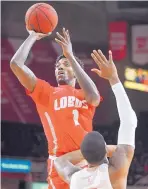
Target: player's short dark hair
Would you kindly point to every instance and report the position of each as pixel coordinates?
(78, 60)
(93, 148)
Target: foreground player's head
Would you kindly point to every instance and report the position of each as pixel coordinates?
(93, 148)
(64, 72)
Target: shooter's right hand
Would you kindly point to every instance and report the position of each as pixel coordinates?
(38, 35)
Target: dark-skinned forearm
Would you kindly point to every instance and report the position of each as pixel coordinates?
(65, 169)
(90, 90)
(21, 54)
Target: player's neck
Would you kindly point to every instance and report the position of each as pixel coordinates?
(71, 83)
(92, 167)
(105, 160)
(63, 85)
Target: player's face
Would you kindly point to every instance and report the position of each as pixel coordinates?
(64, 72)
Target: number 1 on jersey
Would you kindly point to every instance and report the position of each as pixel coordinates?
(75, 117)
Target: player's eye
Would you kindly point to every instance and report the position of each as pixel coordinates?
(57, 65)
(66, 64)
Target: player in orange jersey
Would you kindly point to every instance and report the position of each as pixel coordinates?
(66, 113)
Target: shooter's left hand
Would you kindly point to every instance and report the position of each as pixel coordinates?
(65, 42)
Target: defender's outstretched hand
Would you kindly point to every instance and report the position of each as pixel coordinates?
(65, 42)
(107, 68)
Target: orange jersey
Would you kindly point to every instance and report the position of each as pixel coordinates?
(65, 115)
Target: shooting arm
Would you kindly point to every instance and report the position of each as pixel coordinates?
(22, 72)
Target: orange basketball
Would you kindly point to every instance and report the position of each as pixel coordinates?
(41, 17)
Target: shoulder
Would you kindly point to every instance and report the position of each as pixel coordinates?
(77, 175)
(42, 88)
(74, 181)
(43, 83)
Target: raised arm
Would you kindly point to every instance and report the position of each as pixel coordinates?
(123, 155)
(91, 93)
(22, 72)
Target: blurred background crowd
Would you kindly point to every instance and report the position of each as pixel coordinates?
(121, 26)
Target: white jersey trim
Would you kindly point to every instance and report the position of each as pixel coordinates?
(52, 132)
(55, 146)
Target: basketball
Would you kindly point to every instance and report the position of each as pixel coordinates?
(41, 17)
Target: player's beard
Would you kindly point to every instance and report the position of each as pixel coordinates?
(62, 80)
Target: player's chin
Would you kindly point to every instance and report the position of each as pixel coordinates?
(61, 81)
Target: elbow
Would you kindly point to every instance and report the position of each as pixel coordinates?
(94, 99)
(134, 118)
(13, 64)
(58, 163)
(59, 168)
(57, 160)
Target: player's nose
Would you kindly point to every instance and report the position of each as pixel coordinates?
(61, 67)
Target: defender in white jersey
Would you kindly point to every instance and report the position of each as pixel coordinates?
(99, 174)
(91, 178)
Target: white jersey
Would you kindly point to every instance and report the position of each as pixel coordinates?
(91, 178)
